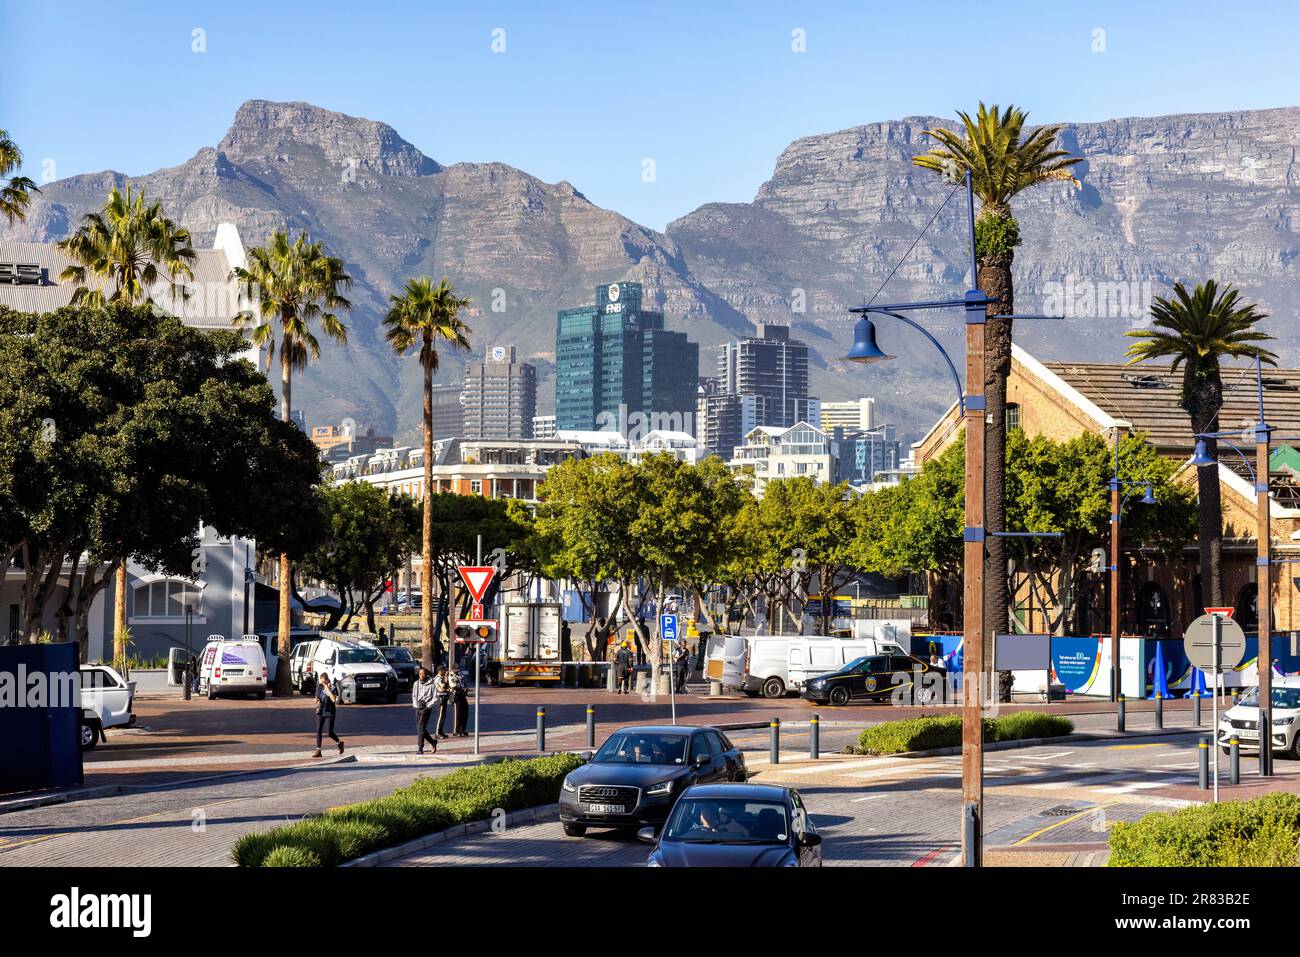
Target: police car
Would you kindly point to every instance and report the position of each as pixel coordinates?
(875, 678)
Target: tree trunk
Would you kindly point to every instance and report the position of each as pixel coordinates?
(119, 619)
(284, 627)
(995, 281)
(426, 549)
(1203, 395)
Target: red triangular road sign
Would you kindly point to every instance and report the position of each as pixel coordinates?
(476, 579)
(1226, 612)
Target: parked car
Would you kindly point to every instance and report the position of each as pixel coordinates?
(357, 667)
(106, 700)
(301, 673)
(232, 666)
(874, 678)
(402, 662)
(638, 772)
(736, 825)
(1242, 719)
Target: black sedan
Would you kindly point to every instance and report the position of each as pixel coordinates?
(901, 679)
(402, 662)
(737, 825)
(635, 777)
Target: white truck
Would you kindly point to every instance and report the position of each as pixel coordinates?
(777, 665)
(106, 699)
(528, 645)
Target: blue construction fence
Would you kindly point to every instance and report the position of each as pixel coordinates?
(40, 721)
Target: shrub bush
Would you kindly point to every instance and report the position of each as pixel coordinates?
(426, 805)
(1263, 832)
(944, 731)
(289, 856)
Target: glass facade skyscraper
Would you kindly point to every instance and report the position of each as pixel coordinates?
(615, 360)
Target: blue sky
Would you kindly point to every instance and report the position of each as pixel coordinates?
(586, 92)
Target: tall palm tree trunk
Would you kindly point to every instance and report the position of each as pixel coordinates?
(426, 547)
(995, 281)
(119, 618)
(1204, 391)
(284, 626)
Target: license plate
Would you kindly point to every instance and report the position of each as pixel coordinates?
(605, 808)
(370, 684)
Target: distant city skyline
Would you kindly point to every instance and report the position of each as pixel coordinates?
(651, 115)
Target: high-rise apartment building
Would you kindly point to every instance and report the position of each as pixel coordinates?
(853, 414)
(500, 396)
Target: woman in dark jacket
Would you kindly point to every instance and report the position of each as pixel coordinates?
(326, 707)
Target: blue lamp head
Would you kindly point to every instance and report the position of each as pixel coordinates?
(1148, 498)
(864, 344)
(1200, 457)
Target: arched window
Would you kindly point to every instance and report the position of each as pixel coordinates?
(1246, 612)
(1152, 610)
(167, 598)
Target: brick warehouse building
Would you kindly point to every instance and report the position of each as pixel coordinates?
(1063, 400)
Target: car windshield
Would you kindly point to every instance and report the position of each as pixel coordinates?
(855, 664)
(638, 747)
(359, 656)
(1285, 698)
(397, 654)
(727, 821)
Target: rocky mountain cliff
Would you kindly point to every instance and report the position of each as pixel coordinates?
(1176, 197)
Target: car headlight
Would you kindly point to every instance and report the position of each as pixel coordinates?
(568, 785)
(1282, 722)
(653, 862)
(665, 788)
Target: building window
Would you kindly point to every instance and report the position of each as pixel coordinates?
(1013, 415)
(167, 599)
(476, 487)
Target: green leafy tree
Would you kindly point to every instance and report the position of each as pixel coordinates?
(1196, 330)
(293, 286)
(15, 191)
(368, 533)
(1003, 160)
(429, 316)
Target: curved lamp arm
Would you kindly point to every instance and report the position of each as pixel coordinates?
(961, 395)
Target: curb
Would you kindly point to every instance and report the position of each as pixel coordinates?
(62, 797)
(1037, 742)
(532, 815)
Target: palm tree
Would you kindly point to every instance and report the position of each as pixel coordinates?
(15, 191)
(292, 285)
(1003, 161)
(427, 314)
(131, 246)
(1196, 330)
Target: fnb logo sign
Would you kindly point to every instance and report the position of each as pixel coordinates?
(613, 305)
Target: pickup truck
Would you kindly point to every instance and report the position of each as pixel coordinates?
(106, 700)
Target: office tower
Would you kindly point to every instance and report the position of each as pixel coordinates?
(500, 396)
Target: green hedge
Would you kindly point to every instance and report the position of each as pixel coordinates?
(1263, 832)
(426, 805)
(944, 731)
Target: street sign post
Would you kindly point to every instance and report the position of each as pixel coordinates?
(668, 633)
(1211, 642)
(477, 578)
(668, 627)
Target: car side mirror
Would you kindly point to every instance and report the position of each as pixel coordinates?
(811, 840)
(701, 760)
(646, 835)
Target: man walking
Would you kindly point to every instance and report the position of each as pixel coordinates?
(681, 660)
(326, 707)
(422, 694)
(442, 693)
(623, 669)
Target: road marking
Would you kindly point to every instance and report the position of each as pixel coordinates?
(1046, 757)
(1131, 747)
(869, 797)
(1055, 825)
(926, 859)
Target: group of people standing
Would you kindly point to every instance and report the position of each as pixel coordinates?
(623, 660)
(446, 692)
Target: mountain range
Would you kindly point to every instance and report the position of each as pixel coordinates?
(1184, 197)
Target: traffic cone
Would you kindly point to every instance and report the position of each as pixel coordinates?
(1198, 689)
(1159, 680)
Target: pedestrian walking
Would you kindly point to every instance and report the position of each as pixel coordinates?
(623, 669)
(681, 666)
(442, 694)
(460, 707)
(326, 707)
(422, 698)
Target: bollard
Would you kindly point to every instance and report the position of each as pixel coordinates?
(1119, 712)
(591, 725)
(541, 729)
(1196, 710)
(1204, 762)
(775, 752)
(189, 679)
(814, 737)
(1160, 711)
(1234, 760)
(609, 680)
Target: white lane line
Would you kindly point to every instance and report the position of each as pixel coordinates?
(1045, 757)
(869, 797)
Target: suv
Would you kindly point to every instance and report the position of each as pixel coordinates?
(357, 667)
(301, 675)
(637, 774)
(1242, 720)
(106, 700)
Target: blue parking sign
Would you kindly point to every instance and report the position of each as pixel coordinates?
(668, 627)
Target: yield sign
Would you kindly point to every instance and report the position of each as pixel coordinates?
(476, 579)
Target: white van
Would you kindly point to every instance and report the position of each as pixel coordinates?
(232, 666)
(776, 665)
(358, 668)
(106, 700)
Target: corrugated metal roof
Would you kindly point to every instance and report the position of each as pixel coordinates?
(213, 299)
(1148, 396)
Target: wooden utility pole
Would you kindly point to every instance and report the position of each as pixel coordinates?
(1264, 596)
(973, 677)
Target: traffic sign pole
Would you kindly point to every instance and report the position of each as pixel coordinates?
(1214, 717)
